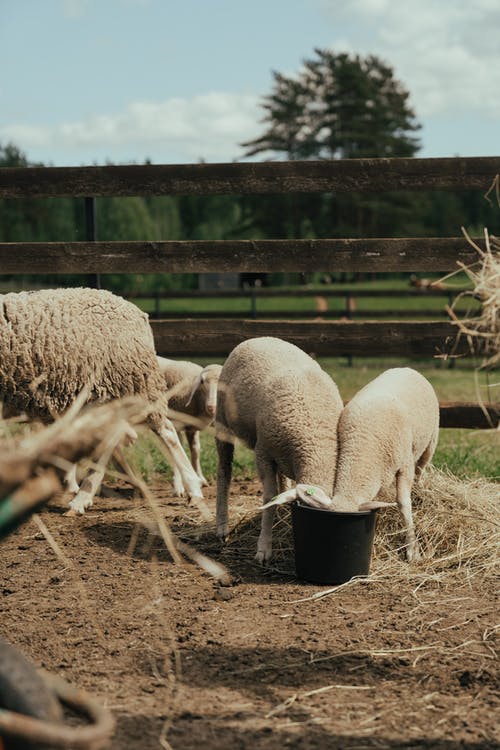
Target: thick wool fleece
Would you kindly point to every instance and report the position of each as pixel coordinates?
(180, 376)
(55, 342)
(389, 425)
(279, 401)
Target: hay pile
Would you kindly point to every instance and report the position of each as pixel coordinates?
(456, 520)
(483, 330)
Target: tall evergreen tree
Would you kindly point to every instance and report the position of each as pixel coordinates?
(338, 106)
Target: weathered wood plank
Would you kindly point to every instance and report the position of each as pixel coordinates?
(325, 338)
(229, 256)
(301, 314)
(251, 177)
(470, 416)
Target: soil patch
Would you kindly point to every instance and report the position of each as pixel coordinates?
(186, 663)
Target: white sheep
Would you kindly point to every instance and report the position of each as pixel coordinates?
(192, 398)
(388, 431)
(56, 343)
(279, 402)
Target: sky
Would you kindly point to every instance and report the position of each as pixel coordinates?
(178, 81)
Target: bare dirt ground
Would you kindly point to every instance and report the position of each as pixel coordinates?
(185, 663)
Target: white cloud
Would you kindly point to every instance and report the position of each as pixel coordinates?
(74, 8)
(208, 126)
(446, 53)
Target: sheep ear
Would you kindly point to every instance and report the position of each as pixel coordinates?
(196, 384)
(374, 504)
(284, 497)
(310, 495)
(313, 496)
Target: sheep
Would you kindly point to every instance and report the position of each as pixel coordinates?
(192, 391)
(388, 430)
(55, 343)
(279, 402)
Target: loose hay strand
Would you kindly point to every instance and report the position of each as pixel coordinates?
(483, 329)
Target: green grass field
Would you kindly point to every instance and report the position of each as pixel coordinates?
(266, 306)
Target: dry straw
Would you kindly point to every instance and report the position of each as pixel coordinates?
(92, 433)
(456, 520)
(482, 330)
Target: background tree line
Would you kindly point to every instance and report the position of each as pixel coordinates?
(337, 106)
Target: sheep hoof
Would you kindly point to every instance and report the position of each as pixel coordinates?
(222, 531)
(179, 490)
(81, 502)
(203, 481)
(413, 554)
(263, 555)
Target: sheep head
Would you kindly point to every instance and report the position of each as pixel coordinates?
(209, 379)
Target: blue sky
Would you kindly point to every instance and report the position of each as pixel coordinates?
(175, 81)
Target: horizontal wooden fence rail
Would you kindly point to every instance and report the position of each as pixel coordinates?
(242, 256)
(324, 338)
(341, 175)
(304, 314)
(217, 338)
(470, 416)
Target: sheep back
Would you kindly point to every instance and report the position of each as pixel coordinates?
(273, 393)
(55, 342)
(393, 419)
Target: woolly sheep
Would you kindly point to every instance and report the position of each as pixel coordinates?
(277, 400)
(192, 398)
(55, 343)
(388, 430)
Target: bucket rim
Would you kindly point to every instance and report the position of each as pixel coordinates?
(335, 513)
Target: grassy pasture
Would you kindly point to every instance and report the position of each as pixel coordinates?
(267, 306)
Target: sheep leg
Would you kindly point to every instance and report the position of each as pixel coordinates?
(425, 457)
(177, 482)
(268, 477)
(404, 482)
(179, 460)
(84, 498)
(225, 452)
(193, 438)
(179, 490)
(284, 483)
(70, 480)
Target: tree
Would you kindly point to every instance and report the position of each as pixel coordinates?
(338, 106)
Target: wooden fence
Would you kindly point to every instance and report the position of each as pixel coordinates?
(211, 337)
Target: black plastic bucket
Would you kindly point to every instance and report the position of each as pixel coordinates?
(332, 547)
